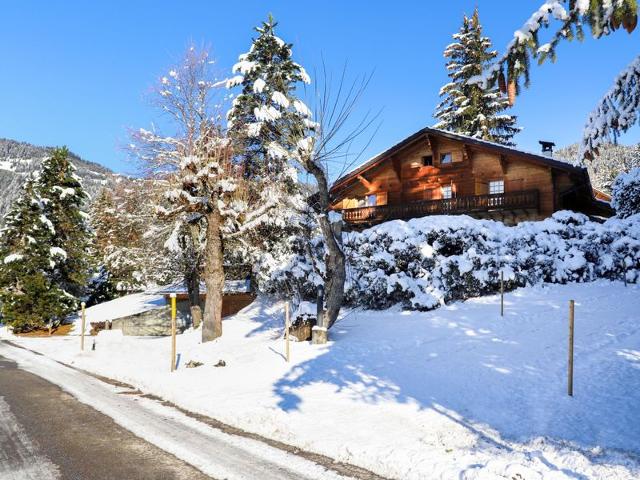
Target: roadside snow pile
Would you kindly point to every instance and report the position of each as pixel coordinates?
(427, 262)
(458, 392)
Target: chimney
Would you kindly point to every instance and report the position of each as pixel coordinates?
(547, 148)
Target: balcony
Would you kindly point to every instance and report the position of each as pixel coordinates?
(511, 202)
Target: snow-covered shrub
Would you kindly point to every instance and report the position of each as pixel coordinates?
(626, 193)
(422, 263)
(288, 271)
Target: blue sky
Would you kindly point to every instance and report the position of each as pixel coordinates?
(76, 72)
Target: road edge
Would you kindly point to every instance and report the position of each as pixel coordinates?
(341, 468)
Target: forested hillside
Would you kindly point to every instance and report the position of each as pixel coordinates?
(17, 159)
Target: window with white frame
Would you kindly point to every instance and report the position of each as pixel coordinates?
(447, 191)
(496, 187)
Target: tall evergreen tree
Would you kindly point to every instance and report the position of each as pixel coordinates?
(63, 197)
(28, 297)
(266, 110)
(469, 108)
(265, 121)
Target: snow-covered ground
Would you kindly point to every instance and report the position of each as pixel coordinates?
(458, 392)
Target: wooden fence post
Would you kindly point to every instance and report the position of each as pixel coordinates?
(82, 306)
(571, 322)
(501, 293)
(287, 323)
(173, 331)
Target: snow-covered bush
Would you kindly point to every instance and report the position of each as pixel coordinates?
(626, 193)
(423, 263)
(288, 270)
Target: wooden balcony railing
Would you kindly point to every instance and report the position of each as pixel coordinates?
(512, 201)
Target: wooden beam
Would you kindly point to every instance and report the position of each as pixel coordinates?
(503, 164)
(433, 143)
(466, 152)
(397, 168)
(367, 184)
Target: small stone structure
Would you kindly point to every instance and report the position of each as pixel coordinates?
(156, 321)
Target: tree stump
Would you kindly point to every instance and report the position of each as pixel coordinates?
(196, 316)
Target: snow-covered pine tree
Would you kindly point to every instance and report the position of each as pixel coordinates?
(262, 121)
(616, 113)
(28, 297)
(62, 195)
(469, 108)
(266, 107)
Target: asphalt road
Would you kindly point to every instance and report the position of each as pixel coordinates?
(46, 434)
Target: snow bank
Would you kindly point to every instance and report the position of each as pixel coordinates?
(458, 392)
(427, 262)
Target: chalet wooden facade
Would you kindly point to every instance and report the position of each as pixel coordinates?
(437, 172)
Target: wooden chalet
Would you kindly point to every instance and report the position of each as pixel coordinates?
(435, 172)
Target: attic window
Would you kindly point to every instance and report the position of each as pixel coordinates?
(446, 158)
(427, 161)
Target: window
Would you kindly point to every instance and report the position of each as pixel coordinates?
(427, 160)
(446, 158)
(447, 192)
(496, 187)
(372, 200)
(360, 202)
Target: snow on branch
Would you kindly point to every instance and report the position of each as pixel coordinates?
(603, 17)
(616, 113)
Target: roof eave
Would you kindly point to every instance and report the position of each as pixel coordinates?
(540, 159)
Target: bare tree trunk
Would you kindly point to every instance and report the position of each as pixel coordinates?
(335, 260)
(192, 280)
(214, 279)
(335, 272)
(192, 277)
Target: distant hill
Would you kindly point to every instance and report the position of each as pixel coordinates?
(604, 168)
(18, 159)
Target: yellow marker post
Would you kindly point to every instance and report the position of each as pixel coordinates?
(82, 305)
(173, 332)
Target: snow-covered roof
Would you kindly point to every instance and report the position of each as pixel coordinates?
(535, 157)
(145, 301)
